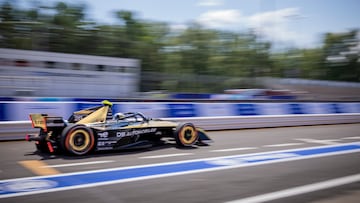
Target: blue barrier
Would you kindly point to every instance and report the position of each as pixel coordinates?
(191, 96)
(17, 111)
(296, 108)
(247, 109)
(335, 108)
(2, 112)
(79, 106)
(182, 110)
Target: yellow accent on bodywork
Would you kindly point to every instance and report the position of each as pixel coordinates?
(201, 130)
(106, 103)
(96, 116)
(83, 112)
(153, 124)
(38, 121)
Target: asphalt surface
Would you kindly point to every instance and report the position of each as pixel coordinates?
(205, 186)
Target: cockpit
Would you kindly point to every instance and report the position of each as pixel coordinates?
(131, 117)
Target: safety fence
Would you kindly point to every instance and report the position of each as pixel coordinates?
(210, 116)
(11, 130)
(19, 111)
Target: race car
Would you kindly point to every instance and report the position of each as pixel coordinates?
(97, 129)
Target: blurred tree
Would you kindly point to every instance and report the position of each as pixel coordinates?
(311, 65)
(128, 35)
(299, 63)
(189, 59)
(7, 17)
(15, 27)
(244, 55)
(195, 49)
(341, 56)
(152, 43)
(66, 28)
(140, 39)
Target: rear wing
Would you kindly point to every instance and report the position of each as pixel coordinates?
(85, 116)
(46, 122)
(91, 115)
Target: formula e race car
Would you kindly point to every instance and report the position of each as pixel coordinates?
(96, 129)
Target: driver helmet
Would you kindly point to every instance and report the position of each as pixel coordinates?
(119, 116)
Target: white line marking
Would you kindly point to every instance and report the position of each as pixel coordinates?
(170, 174)
(233, 149)
(201, 159)
(351, 138)
(283, 145)
(300, 190)
(165, 155)
(77, 164)
(325, 142)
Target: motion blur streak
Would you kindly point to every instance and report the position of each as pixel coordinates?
(85, 179)
(300, 190)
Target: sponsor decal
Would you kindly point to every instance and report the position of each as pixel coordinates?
(296, 108)
(135, 132)
(38, 122)
(181, 110)
(103, 139)
(103, 134)
(104, 148)
(105, 143)
(250, 159)
(247, 109)
(27, 185)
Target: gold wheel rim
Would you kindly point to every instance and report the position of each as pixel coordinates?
(183, 133)
(72, 138)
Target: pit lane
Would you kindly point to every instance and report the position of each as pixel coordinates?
(214, 186)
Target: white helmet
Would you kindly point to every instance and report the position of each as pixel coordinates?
(118, 116)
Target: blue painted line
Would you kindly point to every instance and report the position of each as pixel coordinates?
(44, 184)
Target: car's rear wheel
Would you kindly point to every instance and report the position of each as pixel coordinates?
(186, 135)
(77, 139)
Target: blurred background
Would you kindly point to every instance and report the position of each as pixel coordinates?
(222, 65)
(208, 49)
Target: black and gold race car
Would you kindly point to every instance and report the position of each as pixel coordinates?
(96, 129)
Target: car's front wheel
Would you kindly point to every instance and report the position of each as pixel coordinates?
(77, 139)
(186, 135)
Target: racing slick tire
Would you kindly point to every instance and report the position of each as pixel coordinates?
(186, 135)
(77, 139)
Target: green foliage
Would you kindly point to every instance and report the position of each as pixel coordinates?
(195, 51)
(341, 55)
